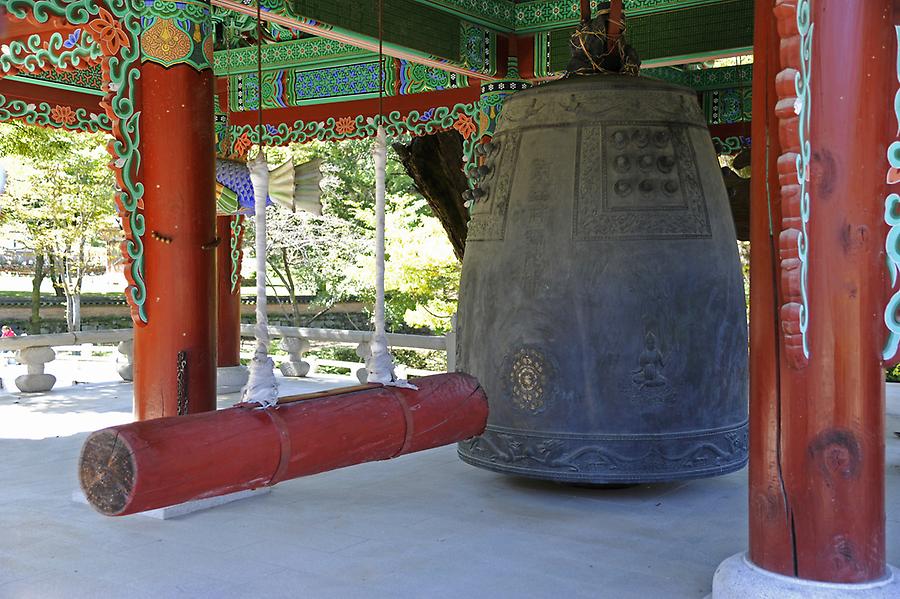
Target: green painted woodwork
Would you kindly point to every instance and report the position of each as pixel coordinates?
(116, 27)
(704, 79)
(726, 93)
(406, 23)
(315, 51)
(730, 145)
(696, 31)
(89, 81)
(463, 32)
(54, 84)
(414, 78)
(537, 15)
(60, 117)
(291, 87)
(399, 127)
(237, 24)
(56, 52)
(499, 14)
(235, 246)
(306, 85)
(177, 33)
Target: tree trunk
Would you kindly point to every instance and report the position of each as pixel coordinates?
(56, 278)
(739, 198)
(34, 327)
(435, 164)
(76, 311)
(76, 291)
(295, 310)
(70, 324)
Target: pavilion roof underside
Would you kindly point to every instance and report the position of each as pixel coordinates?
(430, 46)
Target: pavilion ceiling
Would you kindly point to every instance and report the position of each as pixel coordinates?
(438, 51)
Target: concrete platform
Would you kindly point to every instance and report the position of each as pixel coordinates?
(422, 526)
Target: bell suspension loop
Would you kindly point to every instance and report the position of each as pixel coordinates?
(380, 365)
(261, 388)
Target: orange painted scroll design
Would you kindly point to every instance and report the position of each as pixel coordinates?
(793, 111)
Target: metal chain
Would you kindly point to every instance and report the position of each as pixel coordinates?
(181, 383)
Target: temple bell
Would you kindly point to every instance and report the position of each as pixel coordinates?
(602, 303)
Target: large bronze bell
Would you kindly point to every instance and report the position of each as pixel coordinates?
(601, 304)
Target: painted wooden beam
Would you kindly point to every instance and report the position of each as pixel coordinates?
(369, 107)
(14, 89)
(365, 42)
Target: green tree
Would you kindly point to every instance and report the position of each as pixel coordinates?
(60, 198)
(316, 255)
(332, 258)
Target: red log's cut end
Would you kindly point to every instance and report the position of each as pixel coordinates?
(106, 472)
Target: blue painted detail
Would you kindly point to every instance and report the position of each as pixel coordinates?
(73, 38)
(236, 177)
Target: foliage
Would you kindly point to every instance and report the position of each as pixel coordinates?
(421, 270)
(59, 200)
(744, 254)
(892, 375)
(331, 257)
(309, 252)
(434, 360)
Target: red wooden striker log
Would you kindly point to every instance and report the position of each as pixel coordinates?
(156, 463)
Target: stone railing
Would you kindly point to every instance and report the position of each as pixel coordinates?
(296, 341)
(34, 351)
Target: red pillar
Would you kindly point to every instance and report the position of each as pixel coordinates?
(228, 264)
(770, 526)
(817, 414)
(175, 353)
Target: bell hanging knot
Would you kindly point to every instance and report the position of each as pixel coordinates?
(593, 54)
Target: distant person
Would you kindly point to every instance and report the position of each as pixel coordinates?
(7, 332)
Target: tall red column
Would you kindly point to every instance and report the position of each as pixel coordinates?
(175, 352)
(228, 264)
(770, 525)
(823, 114)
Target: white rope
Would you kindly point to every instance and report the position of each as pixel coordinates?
(381, 364)
(261, 387)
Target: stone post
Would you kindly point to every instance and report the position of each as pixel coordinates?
(126, 371)
(295, 365)
(365, 353)
(36, 381)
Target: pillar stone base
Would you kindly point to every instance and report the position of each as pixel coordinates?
(738, 578)
(231, 379)
(294, 369)
(35, 383)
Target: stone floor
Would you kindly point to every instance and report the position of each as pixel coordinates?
(422, 526)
